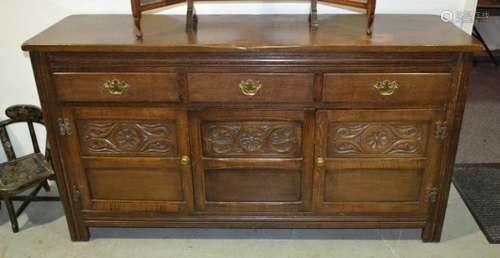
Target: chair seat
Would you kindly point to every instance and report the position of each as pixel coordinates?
(16, 174)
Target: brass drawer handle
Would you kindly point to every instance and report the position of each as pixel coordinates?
(116, 87)
(250, 87)
(320, 162)
(386, 87)
(185, 160)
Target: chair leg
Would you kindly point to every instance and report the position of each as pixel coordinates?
(12, 214)
(28, 200)
(476, 33)
(46, 186)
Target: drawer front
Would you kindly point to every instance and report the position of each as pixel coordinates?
(239, 153)
(251, 87)
(387, 89)
(116, 87)
(376, 162)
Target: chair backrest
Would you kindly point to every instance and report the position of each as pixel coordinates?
(21, 114)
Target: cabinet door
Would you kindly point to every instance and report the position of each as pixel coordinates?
(128, 159)
(249, 161)
(376, 162)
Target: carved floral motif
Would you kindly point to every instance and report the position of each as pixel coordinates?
(123, 137)
(376, 138)
(252, 138)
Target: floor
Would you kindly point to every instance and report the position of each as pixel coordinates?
(481, 123)
(44, 234)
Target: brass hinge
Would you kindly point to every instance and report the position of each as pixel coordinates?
(76, 194)
(64, 127)
(432, 195)
(441, 130)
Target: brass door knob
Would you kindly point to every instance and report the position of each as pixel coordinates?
(250, 87)
(386, 87)
(115, 87)
(320, 162)
(185, 160)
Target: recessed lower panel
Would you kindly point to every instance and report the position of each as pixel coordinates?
(252, 185)
(373, 185)
(146, 184)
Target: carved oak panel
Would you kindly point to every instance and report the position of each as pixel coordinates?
(100, 137)
(252, 138)
(372, 138)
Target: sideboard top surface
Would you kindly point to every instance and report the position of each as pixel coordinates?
(253, 33)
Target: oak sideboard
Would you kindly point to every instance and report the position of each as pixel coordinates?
(253, 121)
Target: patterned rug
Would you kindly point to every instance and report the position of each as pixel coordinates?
(479, 186)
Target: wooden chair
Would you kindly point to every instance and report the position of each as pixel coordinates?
(20, 174)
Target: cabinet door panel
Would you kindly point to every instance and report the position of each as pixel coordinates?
(252, 161)
(160, 180)
(247, 184)
(376, 162)
(127, 159)
(373, 181)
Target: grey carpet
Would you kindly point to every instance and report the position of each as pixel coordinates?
(479, 187)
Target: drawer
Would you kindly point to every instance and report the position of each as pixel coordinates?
(119, 87)
(386, 89)
(251, 87)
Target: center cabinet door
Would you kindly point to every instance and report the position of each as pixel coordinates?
(128, 159)
(248, 161)
(377, 162)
